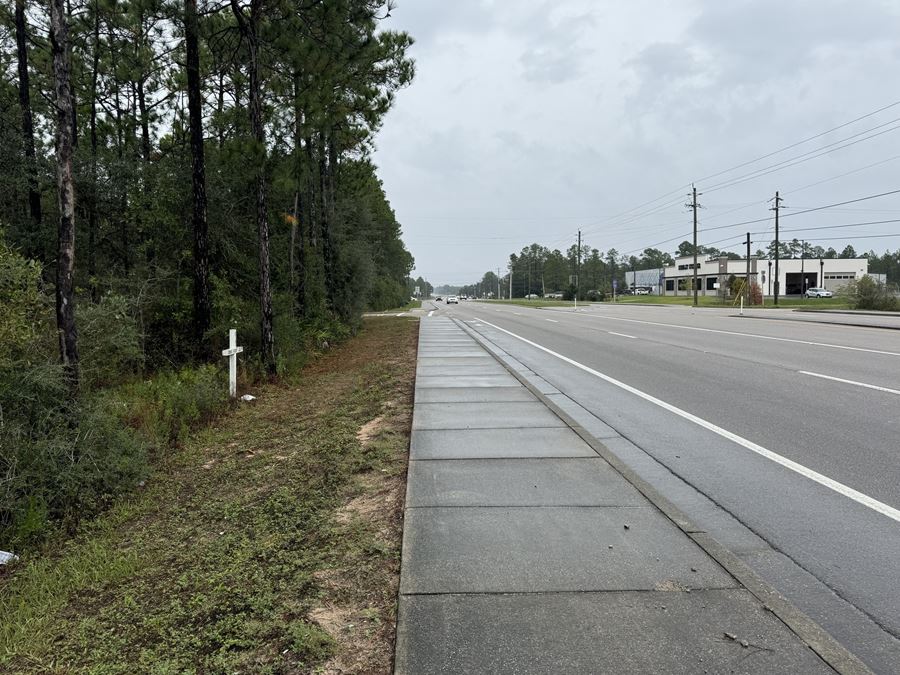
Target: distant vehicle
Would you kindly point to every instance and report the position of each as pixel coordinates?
(531, 296)
(452, 300)
(464, 297)
(626, 291)
(554, 296)
(642, 290)
(438, 299)
(818, 293)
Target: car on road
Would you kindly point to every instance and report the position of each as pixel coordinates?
(452, 300)
(642, 290)
(438, 299)
(818, 293)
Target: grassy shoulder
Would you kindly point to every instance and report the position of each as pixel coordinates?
(268, 543)
(711, 301)
(412, 304)
(538, 302)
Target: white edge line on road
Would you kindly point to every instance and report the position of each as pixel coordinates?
(853, 382)
(551, 320)
(750, 335)
(630, 337)
(812, 475)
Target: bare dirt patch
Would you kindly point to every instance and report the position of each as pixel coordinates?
(369, 430)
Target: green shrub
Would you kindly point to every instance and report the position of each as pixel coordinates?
(310, 643)
(167, 407)
(387, 293)
(23, 308)
(166, 322)
(867, 293)
(109, 341)
(69, 469)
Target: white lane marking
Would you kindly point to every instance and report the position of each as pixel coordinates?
(431, 313)
(750, 335)
(830, 483)
(551, 320)
(630, 337)
(517, 313)
(853, 382)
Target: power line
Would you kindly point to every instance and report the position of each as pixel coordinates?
(805, 140)
(805, 157)
(837, 227)
(800, 213)
(758, 159)
(859, 236)
(842, 175)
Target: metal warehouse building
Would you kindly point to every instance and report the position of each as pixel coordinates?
(796, 275)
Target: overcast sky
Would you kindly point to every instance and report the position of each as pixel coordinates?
(528, 120)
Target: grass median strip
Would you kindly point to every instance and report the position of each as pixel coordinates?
(270, 543)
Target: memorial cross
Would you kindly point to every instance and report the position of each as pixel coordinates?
(232, 352)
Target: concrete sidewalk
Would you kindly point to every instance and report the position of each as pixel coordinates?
(524, 551)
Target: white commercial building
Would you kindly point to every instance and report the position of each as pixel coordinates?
(796, 275)
(650, 279)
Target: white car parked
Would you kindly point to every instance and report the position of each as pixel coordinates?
(818, 293)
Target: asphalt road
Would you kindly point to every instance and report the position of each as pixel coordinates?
(778, 437)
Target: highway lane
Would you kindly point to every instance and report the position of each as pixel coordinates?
(755, 388)
(744, 376)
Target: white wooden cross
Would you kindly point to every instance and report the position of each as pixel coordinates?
(232, 352)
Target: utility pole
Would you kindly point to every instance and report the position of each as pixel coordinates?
(510, 281)
(498, 283)
(776, 209)
(578, 267)
(747, 283)
(694, 206)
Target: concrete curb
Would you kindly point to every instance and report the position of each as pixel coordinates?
(820, 322)
(812, 634)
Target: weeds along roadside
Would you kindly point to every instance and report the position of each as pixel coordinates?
(62, 461)
(268, 542)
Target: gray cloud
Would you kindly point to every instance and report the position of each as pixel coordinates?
(530, 119)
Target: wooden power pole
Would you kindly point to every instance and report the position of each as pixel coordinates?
(694, 206)
(776, 208)
(747, 283)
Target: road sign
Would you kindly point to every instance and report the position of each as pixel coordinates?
(615, 284)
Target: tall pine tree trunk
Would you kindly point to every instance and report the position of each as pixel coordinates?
(65, 262)
(34, 196)
(325, 212)
(124, 241)
(95, 191)
(249, 29)
(298, 245)
(202, 304)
